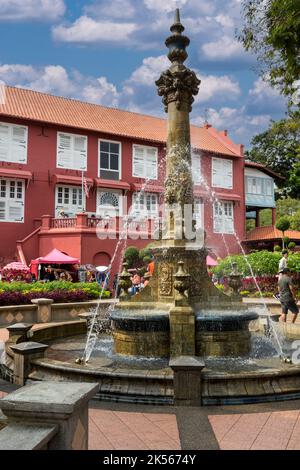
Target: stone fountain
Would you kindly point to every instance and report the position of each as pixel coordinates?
(178, 316)
(178, 302)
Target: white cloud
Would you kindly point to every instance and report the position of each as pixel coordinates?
(213, 86)
(223, 48)
(149, 71)
(54, 79)
(225, 20)
(262, 90)
(101, 92)
(161, 6)
(15, 73)
(87, 30)
(237, 121)
(14, 10)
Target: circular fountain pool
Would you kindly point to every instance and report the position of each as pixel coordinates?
(262, 376)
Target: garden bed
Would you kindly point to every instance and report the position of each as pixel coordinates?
(21, 293)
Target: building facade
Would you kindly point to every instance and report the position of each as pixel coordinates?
(89, 163)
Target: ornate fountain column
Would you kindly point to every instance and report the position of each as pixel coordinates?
(177, 85)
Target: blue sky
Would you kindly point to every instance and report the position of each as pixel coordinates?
(111, 52)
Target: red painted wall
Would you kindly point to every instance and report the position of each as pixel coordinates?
(40, 197)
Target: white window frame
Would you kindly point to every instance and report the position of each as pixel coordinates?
(73, 136)
(119, 162)
(216, 179)
(143, 211)
(7, 199)
(144, 147)
(197, 181)
(220, 221)
(201, 213)
(69, 209)
(118, 212)
(10, 142)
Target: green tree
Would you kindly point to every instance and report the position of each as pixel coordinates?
(283, 224)
(287, 206)
(131, 256)
(278, 148)
(272, 31)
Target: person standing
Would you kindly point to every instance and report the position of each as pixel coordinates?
(283, 263)
(287, 296)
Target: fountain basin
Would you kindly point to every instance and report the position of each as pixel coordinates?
(138, 333)
(147, 333)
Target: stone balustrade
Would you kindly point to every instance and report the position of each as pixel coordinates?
(47, 416)
(43, 311)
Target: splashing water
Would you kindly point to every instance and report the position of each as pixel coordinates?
(271, 327)
(93, 330)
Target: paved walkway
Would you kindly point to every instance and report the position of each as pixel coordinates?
(119, 426)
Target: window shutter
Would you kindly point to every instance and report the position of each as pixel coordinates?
(64, 157)
(19, 144)
(218, 218)
(80, 153)
(4, 142)
(2, 210)
(151, 164)
(15, 211)
(217, 172)
(138, 162)
(196, 168)
(227, 172)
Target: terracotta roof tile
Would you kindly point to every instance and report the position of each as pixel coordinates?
(35, 106)
(271, 233)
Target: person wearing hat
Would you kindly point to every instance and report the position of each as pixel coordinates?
(287, 295)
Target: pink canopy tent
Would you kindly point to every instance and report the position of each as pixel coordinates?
(210, 261)
(54, 257)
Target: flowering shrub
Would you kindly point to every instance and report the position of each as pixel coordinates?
(18, 293)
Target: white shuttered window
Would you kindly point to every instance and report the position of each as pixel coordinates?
(144, 204)
(69, 200)
(13, 143)
(222, 173)
(196, 168)
(198, 213)
(223, 217)
(71, 151)
(12, 196)
(144, 162)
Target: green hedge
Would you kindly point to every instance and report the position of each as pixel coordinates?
(263, 263)
(92, 289)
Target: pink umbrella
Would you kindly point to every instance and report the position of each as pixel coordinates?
(16, 267)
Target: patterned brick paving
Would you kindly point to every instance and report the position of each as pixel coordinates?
(279, 430)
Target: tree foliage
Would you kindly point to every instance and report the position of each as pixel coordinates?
(272, 31)
(278, 148)
(263, 263)
(283, 224)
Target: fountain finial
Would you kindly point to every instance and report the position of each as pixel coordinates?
(177, 27)
(177, 43)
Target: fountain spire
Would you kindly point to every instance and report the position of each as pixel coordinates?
(178, 85)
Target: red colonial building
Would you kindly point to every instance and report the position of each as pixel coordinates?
(48, 143)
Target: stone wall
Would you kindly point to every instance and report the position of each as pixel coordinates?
(46, 313)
